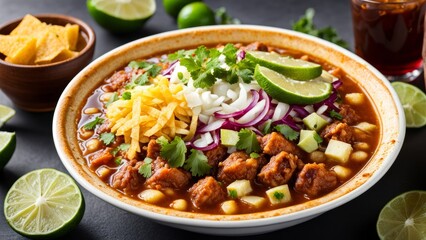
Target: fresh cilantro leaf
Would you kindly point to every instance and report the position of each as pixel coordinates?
(287, 132)
(126, 95)
(278, 195)
(139, 64)
(222, 17)
(306, 25)
(254, 155)
(145, 169)
(232, 193)
(107, 138)
(248, 141)
(180, 54)
(336, 115)
(197, 163)
(92, 124)
(174, 152)
(118, 160)
(121, 147)
(138, 80)
(162, 141)
(266, 127)
(113, 98)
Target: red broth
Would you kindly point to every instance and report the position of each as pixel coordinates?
(364, 144)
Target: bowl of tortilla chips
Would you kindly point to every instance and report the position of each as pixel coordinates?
(39, 55)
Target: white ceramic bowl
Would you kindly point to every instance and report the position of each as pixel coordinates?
(377, 88)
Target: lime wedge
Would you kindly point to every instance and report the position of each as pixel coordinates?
(7, 147)
(121, 16)
(404, 217)
(413, 101)
(44, 204)
(296, 69)
(6, 113)
(289, 90)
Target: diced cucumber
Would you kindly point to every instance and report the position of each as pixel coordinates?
(229, 207)
(239, 188)
(279, 194)
(315, 122)
(228, 137)
(308, 140)
(338, 151)
(255, 201)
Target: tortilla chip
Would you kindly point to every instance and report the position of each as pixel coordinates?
(64, 55)
(48, 48)
(29, 25)
(72, 32)
(18, 49)
(61, 33)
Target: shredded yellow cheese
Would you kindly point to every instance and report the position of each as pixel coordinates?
(156, 110)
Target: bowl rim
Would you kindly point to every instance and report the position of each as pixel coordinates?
(91, 38)
(245, 223)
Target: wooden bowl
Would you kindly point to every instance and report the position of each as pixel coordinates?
(375, 85)
(37, 88)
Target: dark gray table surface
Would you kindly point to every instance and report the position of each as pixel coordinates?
(35, 149)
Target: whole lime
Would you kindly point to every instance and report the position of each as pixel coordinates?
(195, 14)
(121, 16)
(173, 7)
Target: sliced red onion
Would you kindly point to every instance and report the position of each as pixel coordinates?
(288, 120)
(336, 84)
(214, 144)
(169, 70)
(241, 55)
(261, 115)
(301, 111)
(128, 69)
(257, 131)
(254, 101)
(212, 126)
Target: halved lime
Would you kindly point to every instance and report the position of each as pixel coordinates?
(121, 16)
(404, 217)
(296, 69)
(44, 204)
(6, 113)
(288, 90)
(413, 101)
(7, 147)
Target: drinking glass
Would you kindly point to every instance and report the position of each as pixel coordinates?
(389, 35)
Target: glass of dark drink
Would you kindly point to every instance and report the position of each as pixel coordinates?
(389, 35)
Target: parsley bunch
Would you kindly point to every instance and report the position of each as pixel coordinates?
(306, 25)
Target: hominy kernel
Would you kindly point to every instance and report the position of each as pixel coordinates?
(106, 96)
(169, 191)
(359, 156)
(361, 146)
(179, 204)
(85, 134)
(93, 145)
(151, 196)
(92, 110)
(317, 156)
(342, 172)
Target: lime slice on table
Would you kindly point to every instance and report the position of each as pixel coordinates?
(6, 113)
(7, 147)
(404, 217)
(121, 16)
(44, 203)
(413, 101)
(288, 90)
(297, 69)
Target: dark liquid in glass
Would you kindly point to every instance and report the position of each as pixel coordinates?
(389, 36)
